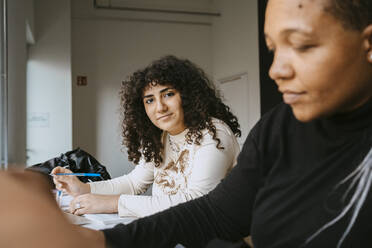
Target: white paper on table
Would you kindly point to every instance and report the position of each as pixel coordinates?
(77, 220)
(102, 219)
(108, 219)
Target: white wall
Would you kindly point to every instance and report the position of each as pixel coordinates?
(49, 111)
(235, 51)
(107, 47)
(19, 12)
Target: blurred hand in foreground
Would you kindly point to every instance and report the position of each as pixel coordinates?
(31, 218)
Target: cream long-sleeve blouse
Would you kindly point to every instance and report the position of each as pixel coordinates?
(188, 171)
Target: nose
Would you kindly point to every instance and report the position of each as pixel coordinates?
(161, 106)
(281, 68)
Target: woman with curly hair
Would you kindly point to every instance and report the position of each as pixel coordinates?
(177, 131)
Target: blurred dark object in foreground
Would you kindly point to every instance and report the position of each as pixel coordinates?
(78, 161)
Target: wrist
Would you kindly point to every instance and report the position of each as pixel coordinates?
(85, 189)
(115, 203)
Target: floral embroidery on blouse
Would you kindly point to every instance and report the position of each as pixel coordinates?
(174, 175)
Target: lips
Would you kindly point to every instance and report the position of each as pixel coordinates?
(291, 97)
(163, 116)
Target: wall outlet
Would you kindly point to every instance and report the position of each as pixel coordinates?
(82, 81)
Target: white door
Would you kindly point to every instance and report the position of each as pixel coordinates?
(49, 94)
(243, 99)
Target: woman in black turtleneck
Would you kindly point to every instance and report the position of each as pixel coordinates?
(287, 189)
(303, 176)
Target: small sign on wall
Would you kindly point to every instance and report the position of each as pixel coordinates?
(81, 81)
(38, 120)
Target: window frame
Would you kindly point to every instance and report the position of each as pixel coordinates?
(3, 85)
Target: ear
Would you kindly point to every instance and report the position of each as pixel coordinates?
(367, 42)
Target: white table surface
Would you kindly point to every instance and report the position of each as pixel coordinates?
(96, 221)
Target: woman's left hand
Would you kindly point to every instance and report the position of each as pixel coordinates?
(94, 204)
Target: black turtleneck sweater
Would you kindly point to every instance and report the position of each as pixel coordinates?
(282, 190)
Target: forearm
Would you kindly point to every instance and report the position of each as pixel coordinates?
(134, 183)
(165, 229)
(141, 206)
(126, 184)
(192, 224)
(115, 186)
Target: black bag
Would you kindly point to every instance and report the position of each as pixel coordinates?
(78, 161)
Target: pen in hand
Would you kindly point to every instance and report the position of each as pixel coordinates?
(59, 197)
(77, 174)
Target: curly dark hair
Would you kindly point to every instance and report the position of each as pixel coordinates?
(354, 14)
(200, 102)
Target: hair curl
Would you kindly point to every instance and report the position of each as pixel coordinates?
(200, 102)
(353, 14)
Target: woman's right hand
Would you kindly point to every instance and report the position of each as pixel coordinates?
(69, 184)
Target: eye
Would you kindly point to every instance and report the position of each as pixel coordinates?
(169, 94)
(303, 48)
(148, 100)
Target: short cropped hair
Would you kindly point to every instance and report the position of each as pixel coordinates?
(353, 14)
